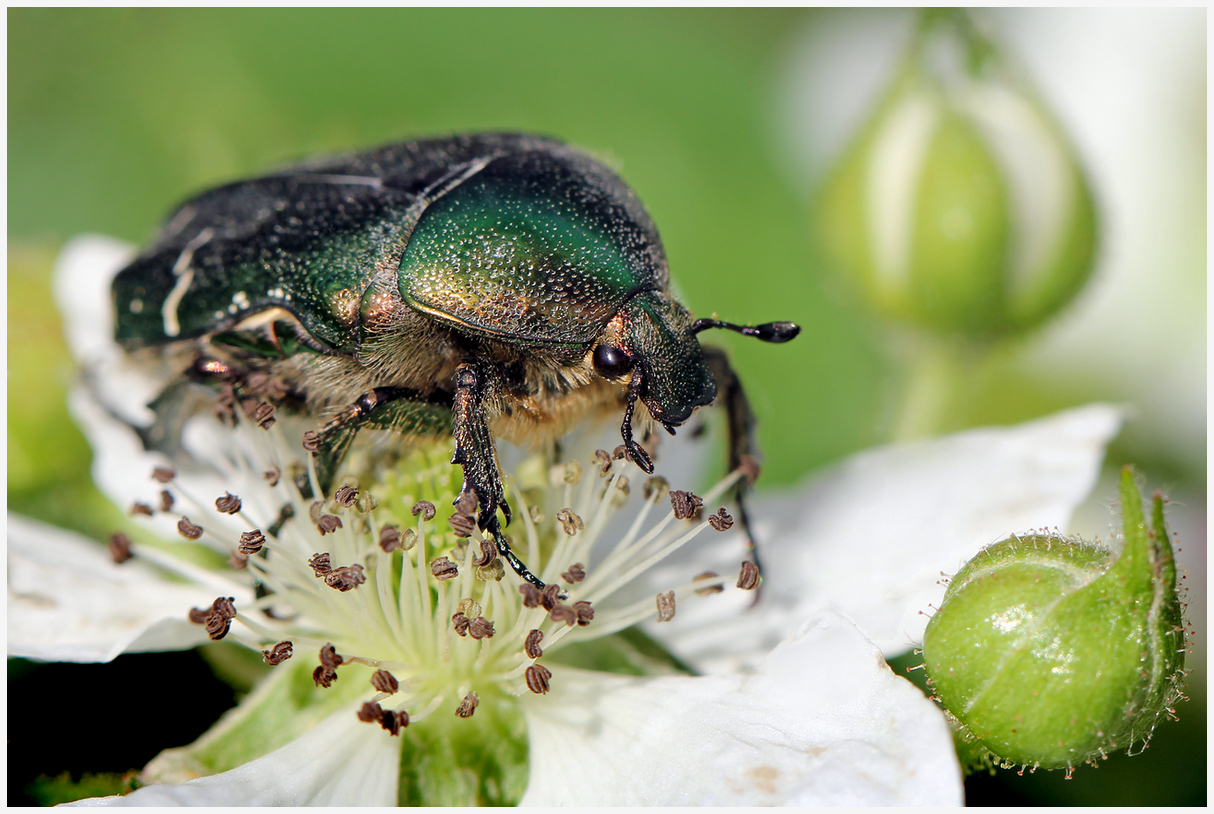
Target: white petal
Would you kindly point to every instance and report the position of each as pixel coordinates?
(342, 761)
(822, 721)
(873, 535)
(68, 601)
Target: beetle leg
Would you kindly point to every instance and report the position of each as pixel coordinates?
(474, 449)
(391, 408)
(743, 452)
(636, 453)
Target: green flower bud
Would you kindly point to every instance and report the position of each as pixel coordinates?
(1049, 651)
(960, 209)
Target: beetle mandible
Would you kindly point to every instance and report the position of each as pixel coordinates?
(473, 286)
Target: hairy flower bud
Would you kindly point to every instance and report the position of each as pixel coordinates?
(1050, 651)
(959, 209)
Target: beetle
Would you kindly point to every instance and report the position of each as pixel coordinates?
(472, 286)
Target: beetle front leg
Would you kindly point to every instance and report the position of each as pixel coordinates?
(743, 452)
(474, 449)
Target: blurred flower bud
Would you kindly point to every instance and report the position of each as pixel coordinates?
(960, 209)
(1050, 651)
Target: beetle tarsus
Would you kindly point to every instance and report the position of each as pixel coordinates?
(507, 554)
(636, 453)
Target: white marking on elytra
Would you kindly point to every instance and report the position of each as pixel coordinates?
(184, 270)
(374, 183)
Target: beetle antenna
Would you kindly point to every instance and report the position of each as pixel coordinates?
(769, 331)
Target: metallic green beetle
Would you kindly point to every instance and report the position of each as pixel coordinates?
(472, 286)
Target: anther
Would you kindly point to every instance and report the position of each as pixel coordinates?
(442, 568)
(345, 496)
(721, 521)
(219, 620)
(188, 530)
(120, 547)
(385, 682)
(531, 645)
(461, 524)
(326, 673)
(538, 679)
(264, 415)
(251, 542)
(550, 596)
(315, 509)
(570, 522)
(585, 613)
(394, 722)
(278, 653)
(198, 615)
(575, 574)
(573, 472)
(389, 538)
(346, 578)
(488, 554)
(621, 483)
(460, 623)
(370, 713)
(323, 677)
(228, 504)
(163, 474)
(480, 628)
(619, 453)
(654, 485)
(272, 476)
(685, 504)
(468, 705)
(328, 523)
(466, 502)
(311, 440)
(748, 577)
(166, 500)
(711, 589)
(425, 508)
(563, 613)
(603, 460)
(366, 502)
(531, 595)
(320, 564)
(666, 606)
(141, 508)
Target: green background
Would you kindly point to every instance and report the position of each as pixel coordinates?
(117, 115)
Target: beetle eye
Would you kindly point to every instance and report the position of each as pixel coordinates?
(612, 362)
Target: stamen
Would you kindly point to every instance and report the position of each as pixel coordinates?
(563, 613)
(278, 653)
(685, 504)
(228, 504)
(251, 542)
(531, 645)
(264, 415)
(666, 606)
(488, 554)
(531, 595)
(370, 712)
(389, 539)
(710, 589)
(749, 577)
(166, 500)
(425, 508)
(384, 682)
(163, 474)
(120, 548)
(442, 568)
(188, 530)
(272, 476)
(480, 628)
(572, 473)
(468, 705)
(141, 508)
(394, 722)
(538, 679)
(721, 521)
(346, 578)
(311, 440)
(238, 561)
(326, 673)
(603, 457)
(585, 613)
(217, 619)
(654, 485)
(345, 496)
(328, 523)
(320, 564)
(460, 623)
(462, 524)
(575, 574)
(550, 596)
(570, 522)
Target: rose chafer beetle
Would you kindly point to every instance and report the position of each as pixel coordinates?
(475, 286)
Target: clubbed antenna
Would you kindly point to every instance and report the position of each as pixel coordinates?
(768, 331)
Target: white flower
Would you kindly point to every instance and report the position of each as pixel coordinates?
(799, 706)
